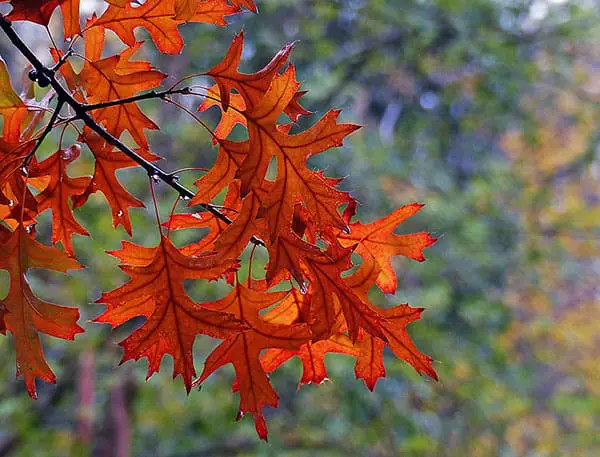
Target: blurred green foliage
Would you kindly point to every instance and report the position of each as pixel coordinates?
(485, 110)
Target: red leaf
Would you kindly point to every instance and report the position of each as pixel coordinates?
(312, 356)
(156, 292)
(243, 350)
(25, 315)
(107, 162)
(112, 78)
(332, 298)
(16, 198)
(251, 86)
(57, 194)
(292, 310)
(160, 19)
(295, 182)
(40, 11)
(12, 107)
(222, 173)
(369, 363)
(377, 243)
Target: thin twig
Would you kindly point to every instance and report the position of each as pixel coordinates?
(44, 134)
(136, 98)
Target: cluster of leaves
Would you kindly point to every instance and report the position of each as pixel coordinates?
(304, 221)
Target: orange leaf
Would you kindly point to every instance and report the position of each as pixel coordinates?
(235, 237)
(312, 354)
(11, 107)
(40, 12)
(106, 79)
(369, 363)
(156, 292)
(26, 315)
(289, 253)
(250, 86)
(243, 350)
(214, 11)
(160, 19)
(262, 97)
(377, 243)
(399, 341)
(295, 182)
(184, 9)
(222, 173)
(14, 193)
(332, 298)
(215, 225)
(248, 4)
(56, 195)
(234, 115)
(107, 162)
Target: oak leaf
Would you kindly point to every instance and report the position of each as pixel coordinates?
(248, 4)
(295, 181)
(378, 244)
(229, 118)
(251, 86)
(17, 202)
(60, 189)
(12, 108)
(160, 19)
(312, 355)
(229, 158)
(369, 363)
(40, 12)
(295, 309)
(112, 78)
(155, 291)
(243, 350)
(399, 341)
(107, 162)
(333, 298)
(26, 315)
(215, 225)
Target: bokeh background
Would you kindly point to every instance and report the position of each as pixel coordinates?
(485, 110)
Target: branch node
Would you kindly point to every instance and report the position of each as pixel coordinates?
(40, 77)
(62, 60)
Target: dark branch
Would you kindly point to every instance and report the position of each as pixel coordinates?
(62, 60)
